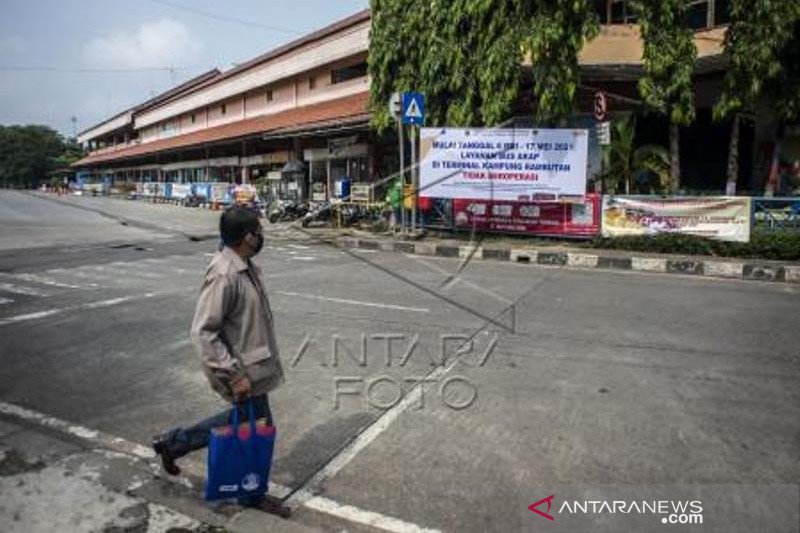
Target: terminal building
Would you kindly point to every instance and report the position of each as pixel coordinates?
(296, 119)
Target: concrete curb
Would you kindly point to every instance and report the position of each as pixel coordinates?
(749, 270)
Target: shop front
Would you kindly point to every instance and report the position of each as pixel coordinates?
(344, 158)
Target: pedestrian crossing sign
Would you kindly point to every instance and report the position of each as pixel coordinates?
(413, 107)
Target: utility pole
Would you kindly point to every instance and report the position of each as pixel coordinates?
(413, 178)
(402, 177)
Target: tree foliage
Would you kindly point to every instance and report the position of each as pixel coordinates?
(461, 54)
(628, 169)
(668, 59)
(557, 31)
(762, 45)
(28, 153)
(466, 56)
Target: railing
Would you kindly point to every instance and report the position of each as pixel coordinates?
(776, 213)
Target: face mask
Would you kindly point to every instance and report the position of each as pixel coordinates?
(259, 243)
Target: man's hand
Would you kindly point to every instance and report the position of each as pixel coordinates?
(241, 389)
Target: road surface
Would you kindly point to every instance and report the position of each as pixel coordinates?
(573, 376)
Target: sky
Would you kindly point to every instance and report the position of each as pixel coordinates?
(90, 59)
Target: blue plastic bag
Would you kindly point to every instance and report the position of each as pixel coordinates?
(239, 458)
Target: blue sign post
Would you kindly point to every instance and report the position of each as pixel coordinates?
(413, 108)
(412, 112)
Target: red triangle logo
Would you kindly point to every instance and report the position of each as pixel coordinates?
(533, 507)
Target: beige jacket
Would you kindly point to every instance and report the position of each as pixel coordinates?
(233, 328)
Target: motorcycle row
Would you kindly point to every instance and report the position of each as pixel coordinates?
(321, 213)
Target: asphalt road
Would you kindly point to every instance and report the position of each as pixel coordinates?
(572, 376)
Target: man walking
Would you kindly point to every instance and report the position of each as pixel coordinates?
(233, 332)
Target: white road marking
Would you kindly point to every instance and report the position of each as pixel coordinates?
(91, 305)
(360, 516)
(299, 247)
(4, 301)
(118, 444)
(94, 437)
(109, 303)
(366, 437)
(302, 258)
(43, 280)
(182, 342)
(355, 302)
(30, 316)
(128, 269)
(19, 289)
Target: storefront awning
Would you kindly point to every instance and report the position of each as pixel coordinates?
(342, 111)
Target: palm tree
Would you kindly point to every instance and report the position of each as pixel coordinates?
(623, 163)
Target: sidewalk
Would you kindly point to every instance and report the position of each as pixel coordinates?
(52, 481)
(192, 223)
(189, 222)
(201, 224)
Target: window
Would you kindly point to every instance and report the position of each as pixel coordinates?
(722, 12)
(164, 127)
(696, 16)
(600, 11)
(269, 95)
(351, 72)
(622, 13)
(312, 83)
(223, 109)
(194, 118)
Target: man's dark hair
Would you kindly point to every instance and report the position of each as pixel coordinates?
(235, 223)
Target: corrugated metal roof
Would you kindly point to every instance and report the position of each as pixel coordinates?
(171, 93)
(343, 110)
(340, 25)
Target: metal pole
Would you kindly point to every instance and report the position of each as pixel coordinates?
(413, 178)
(402, 176)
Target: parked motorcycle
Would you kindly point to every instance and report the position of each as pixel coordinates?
(286, 211)
(319, 212)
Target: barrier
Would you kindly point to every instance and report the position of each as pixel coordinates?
(726, 218)
(578, 217)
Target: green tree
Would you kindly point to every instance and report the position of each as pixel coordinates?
(466, 56)
(28, 153)
(71, 152)
(461, 54)
(555, 32)
(668, 60)
(624, 164)
(762, 46)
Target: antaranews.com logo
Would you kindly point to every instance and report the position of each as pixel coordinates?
(606, 508)
(681, 512)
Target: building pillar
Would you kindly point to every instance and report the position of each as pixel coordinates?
(711, 16)
(328, 178)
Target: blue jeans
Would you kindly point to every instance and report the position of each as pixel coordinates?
(180, 441)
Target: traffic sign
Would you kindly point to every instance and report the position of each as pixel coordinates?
(413, 108)
(600, 106)
(394, 106)
(604, 133)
